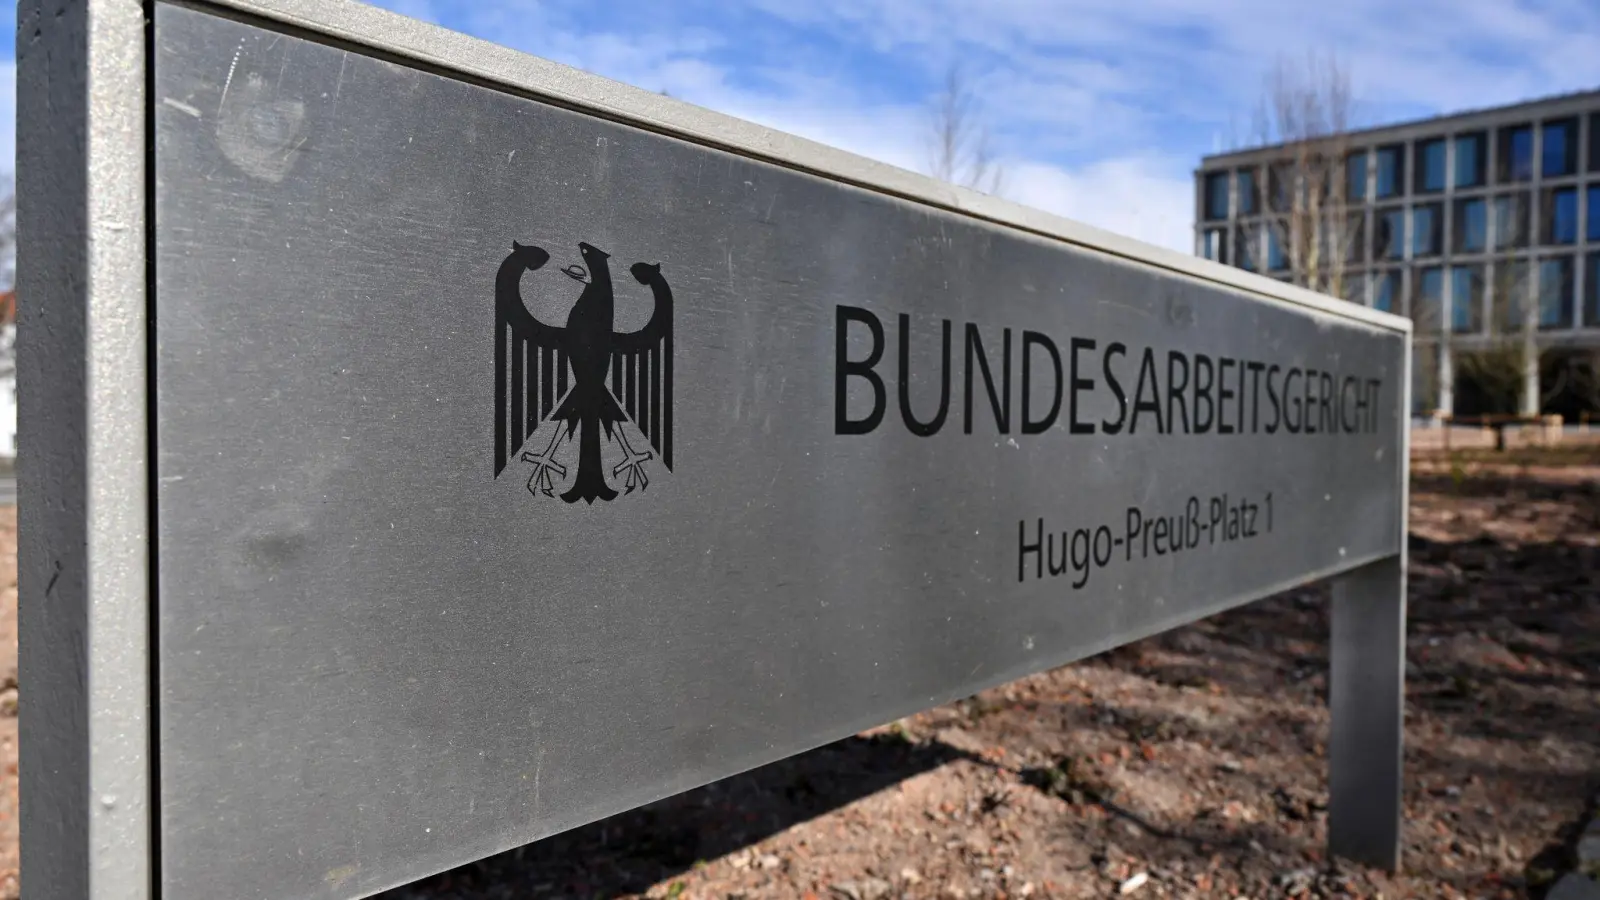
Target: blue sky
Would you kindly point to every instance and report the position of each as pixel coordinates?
(1100, 108)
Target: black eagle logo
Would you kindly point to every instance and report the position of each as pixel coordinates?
(585, 376)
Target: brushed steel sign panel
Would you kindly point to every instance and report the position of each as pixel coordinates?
(516, 466)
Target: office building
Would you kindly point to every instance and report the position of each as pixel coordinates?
(1483, 227)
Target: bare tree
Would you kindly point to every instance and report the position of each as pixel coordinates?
(1307, 109)
(961, 150)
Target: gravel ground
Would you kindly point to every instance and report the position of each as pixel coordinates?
(1187, 765)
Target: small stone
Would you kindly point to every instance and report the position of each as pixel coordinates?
(1134, 883)
(1230, 766)
(910, 875)
(874, 888)
(1452, 791)
(769, 861)
(1026, 890)
(986, 875)
(848, 889)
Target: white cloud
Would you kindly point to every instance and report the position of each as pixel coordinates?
(1134, 196)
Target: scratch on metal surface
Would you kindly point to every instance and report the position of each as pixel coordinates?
(180, 106)
(228, 82)
(338, 83)
(538, 769)
(1129, 306)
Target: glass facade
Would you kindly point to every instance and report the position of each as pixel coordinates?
(1355, 177)
(1470, 157)
(1508, 291)
(1594, 145)
(1471, 225)
(1429, 166)
(1245, 251)
(1390, 171)
(1389, 234)
(1276, 260)
(1555, 292)
(1246, 181)
(1385, 289)
(1559, 148)
(1427, 221)
(1480, 227)
(1427, 301)
(1561, 216)
(1466, 299)
(1516, 153)
(1591, 292)
(1217, 195)
(1510, 221)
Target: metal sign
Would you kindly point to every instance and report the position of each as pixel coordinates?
(428, 449)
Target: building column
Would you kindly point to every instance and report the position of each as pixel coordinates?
(1530, 347)
(1447, 378)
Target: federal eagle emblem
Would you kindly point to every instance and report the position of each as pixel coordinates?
(586, 379)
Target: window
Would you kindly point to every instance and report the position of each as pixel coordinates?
(1389, 234)
(1385, 289)
(1212, 245)
(1560, 148)
(1429, 166)
(1561, 216)
(1508, 290)
(1469, 160)
(1353, 287)
(1355, 237)
(1428, 299)
(1516, 153)
(1594, 209)
(1510, 221)
(1246, 249)
(1555, 292)
(1276, 260)
(1390, 171)
(1246, 180)
(1591, 305)
(1466, 299)
(1217, 195)
(1355, 177)
(1594, 143)
(1471, 225)
(1280, 186)
(1427, 221)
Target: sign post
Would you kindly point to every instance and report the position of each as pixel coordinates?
(428, 448)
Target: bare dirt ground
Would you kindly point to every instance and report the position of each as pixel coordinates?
(1187, 765)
